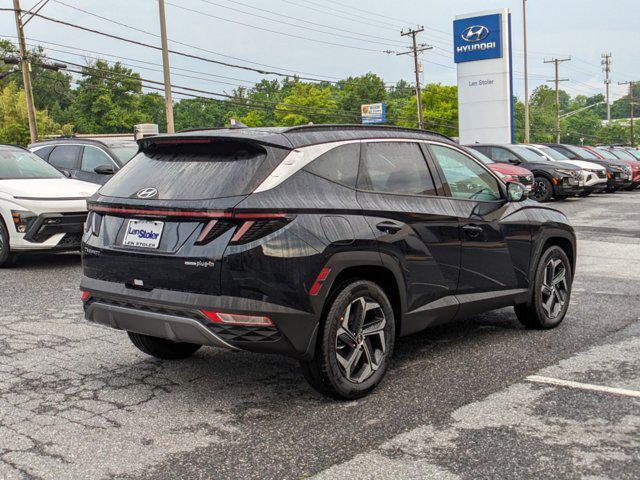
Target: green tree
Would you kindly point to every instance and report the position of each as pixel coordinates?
(14, 122)
(199, 113)
(307, 103)
(107, 99)
(439, 107)
(356, 91)
(152, 106)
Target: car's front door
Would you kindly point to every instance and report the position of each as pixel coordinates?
(93, 157)
(495, 248)
(414, 228)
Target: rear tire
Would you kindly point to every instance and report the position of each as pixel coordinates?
(551, 292)
(542, 189)
(162, 348)
(355, 343)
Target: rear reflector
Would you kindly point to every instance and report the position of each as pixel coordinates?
(322, 276)
(85, 296)
(236, 319)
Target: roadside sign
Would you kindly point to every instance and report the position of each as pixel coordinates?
(374, 113)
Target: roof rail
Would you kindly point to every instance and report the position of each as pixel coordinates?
(328, 126)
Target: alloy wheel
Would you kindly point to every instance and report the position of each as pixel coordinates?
(554, 287)
(539, 190)
(360, 339)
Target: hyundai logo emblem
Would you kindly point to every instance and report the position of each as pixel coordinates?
(475, 33)
(148, 192)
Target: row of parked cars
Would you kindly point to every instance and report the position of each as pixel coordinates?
(324, 243)
(561, 171)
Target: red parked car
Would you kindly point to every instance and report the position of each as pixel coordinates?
(506, 171)
(622, 155)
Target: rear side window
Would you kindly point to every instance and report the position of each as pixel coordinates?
(395, 167)
(93, 157)
(339, 165)
(44, 152)
(65, 156)
(192, 171)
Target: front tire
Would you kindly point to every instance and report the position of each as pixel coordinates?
(355, 343)
(551, 294)
(542, 189)
(5, 251)
(162, 348)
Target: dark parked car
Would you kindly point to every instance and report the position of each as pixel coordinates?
(619, 174)
(91, 160)
(324, 243)
(552, 179)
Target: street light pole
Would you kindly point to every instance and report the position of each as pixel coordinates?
(527, 135)
(168, 99)
(26, 73)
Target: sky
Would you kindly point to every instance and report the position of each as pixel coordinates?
(294, 36)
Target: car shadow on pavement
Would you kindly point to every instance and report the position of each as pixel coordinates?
(44, 260)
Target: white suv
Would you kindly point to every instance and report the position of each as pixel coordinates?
(40, 208)
(593, 175)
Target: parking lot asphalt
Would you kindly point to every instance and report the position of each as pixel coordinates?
(461, 401)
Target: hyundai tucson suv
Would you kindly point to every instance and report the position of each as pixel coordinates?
(40, 209)
(619, 174)
(324, 243)
(506, 171)
(594, 176)
(625, 155)
(87, 159)
(552, 179)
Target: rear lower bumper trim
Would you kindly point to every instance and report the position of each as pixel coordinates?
(162, 325)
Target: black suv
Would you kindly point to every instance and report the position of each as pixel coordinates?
(552, 179)
(90, 160)
(324, 243)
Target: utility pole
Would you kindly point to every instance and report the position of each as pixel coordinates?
(557, 80)
(606, 68)
(26, 72)
(631, 108)
(168, 99)
(527, 130)
(416, 49)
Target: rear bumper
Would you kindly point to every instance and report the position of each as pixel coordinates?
(176, 316)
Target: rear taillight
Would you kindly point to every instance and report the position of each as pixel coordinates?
(85, 296)
(248, 227)
(237, 319)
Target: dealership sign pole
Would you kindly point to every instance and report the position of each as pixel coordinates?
(482, 52)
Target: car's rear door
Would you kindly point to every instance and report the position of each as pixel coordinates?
(414, 227)
(495, 248)
(66, 158)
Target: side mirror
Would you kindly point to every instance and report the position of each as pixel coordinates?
(105, 169)
(516, 192)
(66, 173)
(515, 161)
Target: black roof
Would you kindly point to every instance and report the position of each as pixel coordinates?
(295, 137)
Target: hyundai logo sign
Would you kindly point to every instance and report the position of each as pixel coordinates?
(477, 38)
(148, 192)
(475, 33)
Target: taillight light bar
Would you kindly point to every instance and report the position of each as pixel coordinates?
(237, 319)
(156, 212)
(85, 296)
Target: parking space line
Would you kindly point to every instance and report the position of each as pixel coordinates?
(583, 386)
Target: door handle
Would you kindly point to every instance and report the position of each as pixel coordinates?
(472, 230)
(389, 227)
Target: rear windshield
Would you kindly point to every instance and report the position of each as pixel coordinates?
(193, 171)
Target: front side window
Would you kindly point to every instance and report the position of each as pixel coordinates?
(338, 165)
(466, 178)
(64, 156)
(20, 164)
(395, 167)
(93, 157)
(501, 154)
(527, 154)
